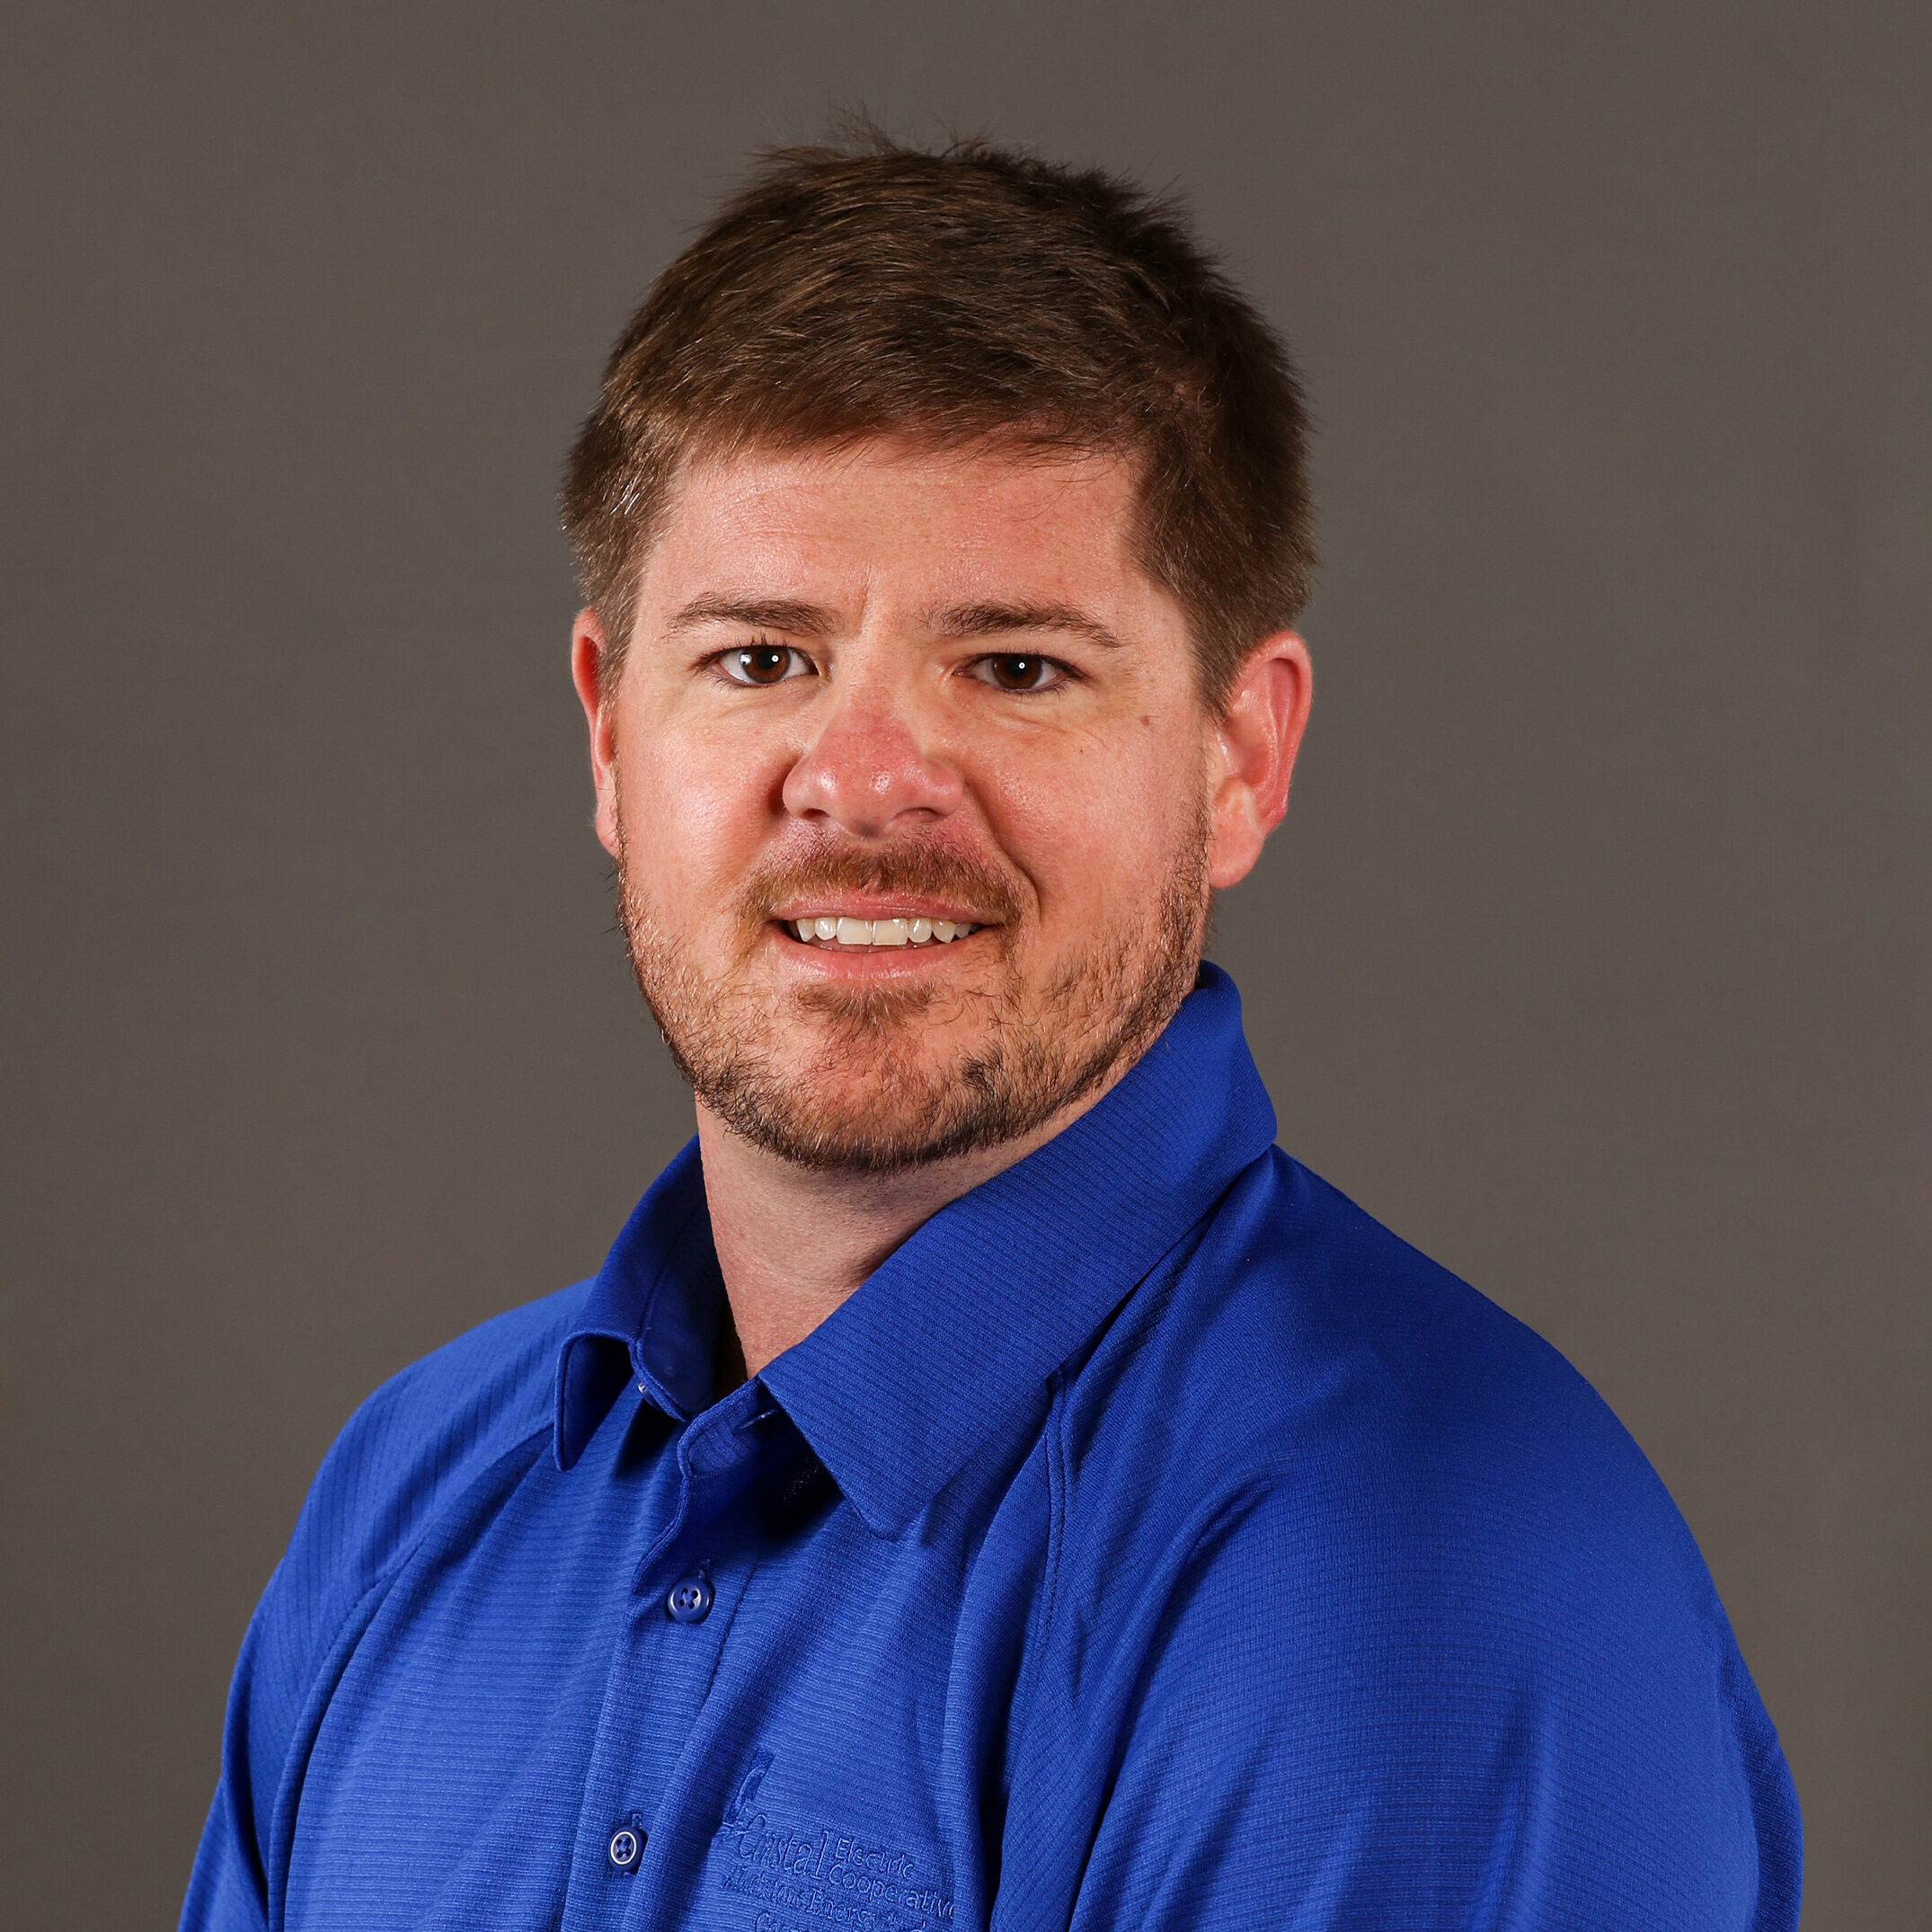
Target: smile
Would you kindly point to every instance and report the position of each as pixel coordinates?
(832, 929)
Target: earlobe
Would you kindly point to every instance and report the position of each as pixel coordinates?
(1256, 738)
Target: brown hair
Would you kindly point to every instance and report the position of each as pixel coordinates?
(972, 295)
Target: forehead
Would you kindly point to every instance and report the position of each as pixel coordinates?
(886, 519)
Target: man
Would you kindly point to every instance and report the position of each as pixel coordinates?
(988, 1483)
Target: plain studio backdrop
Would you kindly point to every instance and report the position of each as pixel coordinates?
(1592, 957)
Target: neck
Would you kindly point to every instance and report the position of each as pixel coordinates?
(794, 1242)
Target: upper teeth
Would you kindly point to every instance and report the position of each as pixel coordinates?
(879, 932)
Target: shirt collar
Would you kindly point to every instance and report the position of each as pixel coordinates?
(952, 1339)
(658, 1299)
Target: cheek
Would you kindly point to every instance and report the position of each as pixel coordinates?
(695, 808)
(1097, 822)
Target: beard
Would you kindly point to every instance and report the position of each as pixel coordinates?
(838, 1077)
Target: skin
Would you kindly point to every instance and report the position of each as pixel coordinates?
(921, 583)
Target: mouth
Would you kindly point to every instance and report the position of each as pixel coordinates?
(839, 932)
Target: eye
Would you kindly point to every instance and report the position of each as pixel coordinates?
(1018, 672)
(766, 664)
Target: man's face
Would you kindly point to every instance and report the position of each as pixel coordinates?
(876, 698)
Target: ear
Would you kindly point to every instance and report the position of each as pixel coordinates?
(1253, 754)
(594, 677)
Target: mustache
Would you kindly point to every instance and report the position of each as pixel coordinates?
(915, 869)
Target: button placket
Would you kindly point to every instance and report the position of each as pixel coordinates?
(686, 1591)
(717, 1457)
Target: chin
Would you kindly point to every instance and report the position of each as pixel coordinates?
(879, 1121)
(831, 1140)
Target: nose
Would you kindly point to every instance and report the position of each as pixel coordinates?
(867, 772)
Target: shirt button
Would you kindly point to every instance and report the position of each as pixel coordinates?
(626, 1846)
(689, 1601)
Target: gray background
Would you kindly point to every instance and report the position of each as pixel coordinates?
(1593, 957)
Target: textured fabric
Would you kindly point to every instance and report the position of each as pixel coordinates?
(1153, 1540)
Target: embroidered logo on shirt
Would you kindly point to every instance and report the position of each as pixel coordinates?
(741, 1800)
(805, 1877)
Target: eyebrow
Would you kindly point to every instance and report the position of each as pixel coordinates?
(754, 614)
(959, 620)
(995, 620)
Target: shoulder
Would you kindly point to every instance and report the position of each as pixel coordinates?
(1295, 1347)
(1338, 1505)
(435, 1434)
(424, 1438)
(1357, 1449)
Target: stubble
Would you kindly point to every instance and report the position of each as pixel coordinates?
(845, 1079)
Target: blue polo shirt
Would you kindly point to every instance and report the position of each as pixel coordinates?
(1153, 1540)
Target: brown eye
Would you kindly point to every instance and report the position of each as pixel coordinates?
(765, 664)
(1013, 672)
